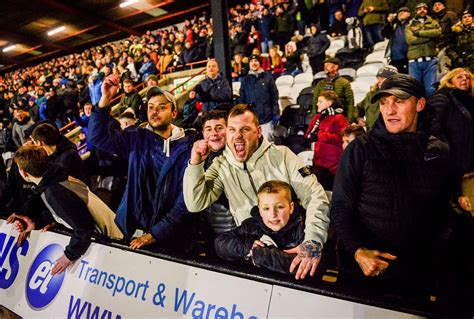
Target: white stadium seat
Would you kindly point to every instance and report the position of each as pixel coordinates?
(304, 78)
(285, 80)
(368, 69)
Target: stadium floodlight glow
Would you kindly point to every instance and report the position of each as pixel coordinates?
(56, 30)
(127, 3)
(9, 48)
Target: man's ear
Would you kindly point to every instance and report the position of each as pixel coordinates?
(465, 203)
(420, 105)
(24, 174)
(259, 130)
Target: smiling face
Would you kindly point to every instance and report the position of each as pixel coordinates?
(212, 69)
(242, 136)
(275, 209)
(462, 81)
(214, 132)
(160, 113)
(400, 115)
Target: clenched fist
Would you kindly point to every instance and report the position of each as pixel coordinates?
(200, 152)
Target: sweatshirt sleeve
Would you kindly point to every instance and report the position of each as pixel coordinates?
(200, 188)
(313, 198)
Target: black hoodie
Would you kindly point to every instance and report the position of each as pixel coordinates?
(66, 155)
(67, 209)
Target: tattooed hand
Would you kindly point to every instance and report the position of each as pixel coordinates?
(307, 257)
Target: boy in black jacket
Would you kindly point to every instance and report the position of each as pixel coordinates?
(69, 202)
(277, 223)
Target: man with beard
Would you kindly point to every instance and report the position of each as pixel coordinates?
(157, 156)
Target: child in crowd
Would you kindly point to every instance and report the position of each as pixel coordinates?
(325, 130)
(69, 202)
(351, 133)
(277, 223)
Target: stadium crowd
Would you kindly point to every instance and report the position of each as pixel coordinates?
(392, 175)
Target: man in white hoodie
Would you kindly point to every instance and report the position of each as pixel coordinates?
(157, 155)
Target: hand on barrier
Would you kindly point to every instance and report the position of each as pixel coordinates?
(141, 241)
(48, 227)
(61, 265)
(23, 224)
(370, 263)
(308, 255)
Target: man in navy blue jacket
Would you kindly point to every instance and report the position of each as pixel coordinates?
(214, 89)
(157, 155)
(259, 90)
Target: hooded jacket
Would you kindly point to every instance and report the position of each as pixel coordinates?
(66, 155)
(237, 243)
(259, 90)
(318, 44)
(19, 129)
(153, 198)
(240, 181)
(67, 209)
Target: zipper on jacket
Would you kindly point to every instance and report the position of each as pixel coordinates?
(250, 178)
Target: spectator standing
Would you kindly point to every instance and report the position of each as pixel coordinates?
(397, 48)
(148, 68)
(421, 35)
(446, 20)
(373, 14)
(250, 160)
(340, 85)
(157, 156)
(461, 48)
(390, 203)
(95, 84)
(265, 27)
(132, 99)
(214, 89)
(318, 43)
(22, 122)
(259, 90)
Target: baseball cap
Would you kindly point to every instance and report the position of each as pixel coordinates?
(155, 90)
(387, 71)
(400, 85)
(403, 9)
(332, 60)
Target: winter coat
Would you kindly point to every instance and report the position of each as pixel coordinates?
(18, 130)
(461, 47)
(66, 156)
(446, 20)
(153, 199)
(423, 44)
(147, 69)
(132, 100)
(391, 193)
(284, 23)
(293, 61)
(397, 48)
(375, 17)
(213, 92)
(95, 91)
(454, 124)
(265, 26)
(260, 91)
(237, 243)
(187, 56)
(317, 45)
(240, 181)
(328, 144)
(342, 87)
(54, 108)
(370, 110)
(67, 209)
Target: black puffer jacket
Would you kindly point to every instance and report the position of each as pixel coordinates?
(391, 193)
(454, 124)
(236, 244)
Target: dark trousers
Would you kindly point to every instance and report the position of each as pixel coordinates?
(316, 63)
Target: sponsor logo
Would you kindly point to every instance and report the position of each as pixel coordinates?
(41, 286)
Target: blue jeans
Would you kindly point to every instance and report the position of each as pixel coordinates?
(373, 34)
(266, 45)
(425, 72)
